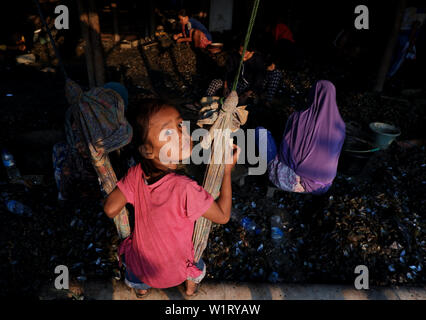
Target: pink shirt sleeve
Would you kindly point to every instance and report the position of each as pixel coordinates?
(128, 183)
(198, 201)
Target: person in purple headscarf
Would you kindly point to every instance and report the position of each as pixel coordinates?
(313, 138)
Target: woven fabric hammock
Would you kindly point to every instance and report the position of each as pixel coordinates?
(103, 128)
(224, 120)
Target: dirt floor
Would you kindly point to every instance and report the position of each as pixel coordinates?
(374, 217)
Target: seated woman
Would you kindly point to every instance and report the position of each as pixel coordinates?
(192, 31)
(309, 153)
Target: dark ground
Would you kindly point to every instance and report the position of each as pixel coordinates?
(376, 218)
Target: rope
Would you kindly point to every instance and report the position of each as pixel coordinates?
(52, 41)
(246, 41)
(230, 118)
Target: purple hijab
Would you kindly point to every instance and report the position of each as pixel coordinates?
(313, 139)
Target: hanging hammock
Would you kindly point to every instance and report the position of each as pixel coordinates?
(224, 120)
(102, 127)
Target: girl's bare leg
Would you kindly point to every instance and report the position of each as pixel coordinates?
(196, 36)
(191, 286)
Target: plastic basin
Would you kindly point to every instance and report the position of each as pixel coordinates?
(355, 155)
(384, 134)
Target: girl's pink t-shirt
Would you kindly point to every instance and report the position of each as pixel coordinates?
(160, 250)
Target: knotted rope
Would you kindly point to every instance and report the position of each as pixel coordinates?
(224, 120)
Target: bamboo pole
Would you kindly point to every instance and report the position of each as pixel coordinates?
(390, 47)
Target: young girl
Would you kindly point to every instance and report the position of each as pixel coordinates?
(159, 253)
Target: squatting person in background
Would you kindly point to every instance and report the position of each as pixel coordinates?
(192, 31)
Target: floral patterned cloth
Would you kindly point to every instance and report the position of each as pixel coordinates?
(94, 126)
(284, 177)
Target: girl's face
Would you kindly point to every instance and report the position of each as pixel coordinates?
(168, 141)
(183, 20)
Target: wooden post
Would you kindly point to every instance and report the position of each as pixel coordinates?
(95, 35)
(151, 18)
(115, 21)
(84, 25)
(390, 47)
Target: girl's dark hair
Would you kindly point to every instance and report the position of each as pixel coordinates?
(182, 13)
(139, 118)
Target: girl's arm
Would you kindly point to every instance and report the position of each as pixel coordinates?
(177, 36)
(114, 203)
(220, 211)
(189, 39)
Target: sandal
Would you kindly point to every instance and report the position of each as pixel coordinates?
(142, 295)
(196, 291)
